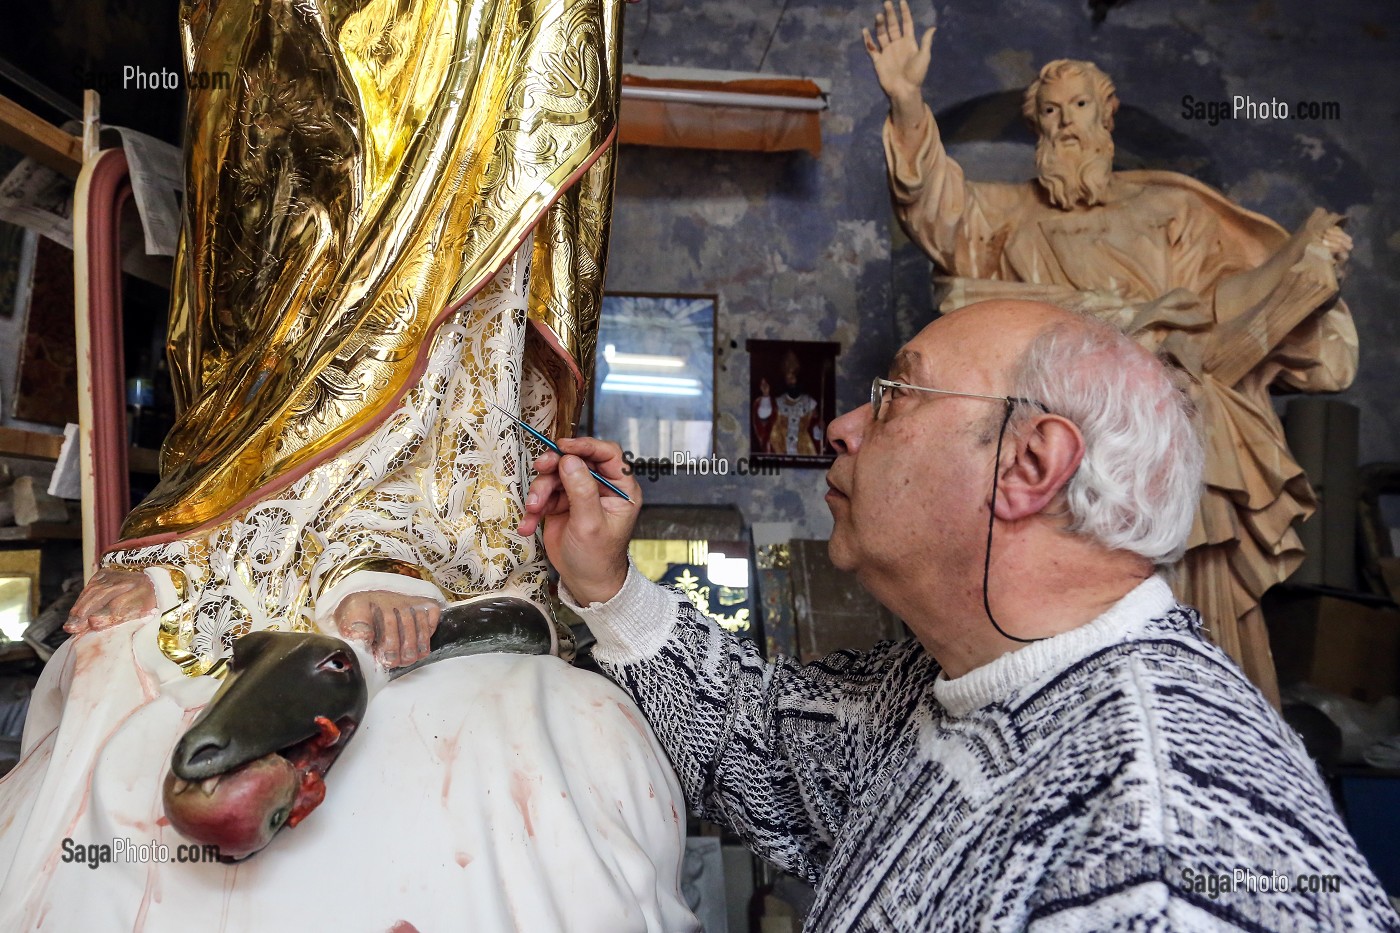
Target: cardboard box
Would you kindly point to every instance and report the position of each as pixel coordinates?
(1337, 644)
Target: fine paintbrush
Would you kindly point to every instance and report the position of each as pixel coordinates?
(555, 447)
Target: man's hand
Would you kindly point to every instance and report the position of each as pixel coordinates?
(111, 597)
(585, 530)
(901, 61)
(397, 628)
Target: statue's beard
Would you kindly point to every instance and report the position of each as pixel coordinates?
(1074, 175)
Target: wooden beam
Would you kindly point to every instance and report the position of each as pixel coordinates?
(30, 445)
(92, 124)
(39, 139)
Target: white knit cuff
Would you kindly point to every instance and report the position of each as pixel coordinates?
(634, 624)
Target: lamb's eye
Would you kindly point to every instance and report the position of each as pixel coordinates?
(338, 662)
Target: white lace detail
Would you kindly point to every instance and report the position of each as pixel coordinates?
(439, 486)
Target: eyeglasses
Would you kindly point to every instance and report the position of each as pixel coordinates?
(879, 386)
(877, 397)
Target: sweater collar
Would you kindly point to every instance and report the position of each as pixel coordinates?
(998, 679)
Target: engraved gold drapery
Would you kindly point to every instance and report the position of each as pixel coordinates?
(367, 170)
(427, 503)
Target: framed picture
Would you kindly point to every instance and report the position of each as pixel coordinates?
(716, 576)
(19, 592)
(46, 386)
(792, 398)
(654, 382)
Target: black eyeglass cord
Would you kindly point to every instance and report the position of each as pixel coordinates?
(991, 521)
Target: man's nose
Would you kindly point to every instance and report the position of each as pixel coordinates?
(847, 431)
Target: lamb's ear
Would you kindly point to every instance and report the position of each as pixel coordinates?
(248, 648)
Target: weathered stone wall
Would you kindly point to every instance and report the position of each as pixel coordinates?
(807, 249)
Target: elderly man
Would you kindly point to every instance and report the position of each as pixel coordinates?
(1058, 747)
(1233, 299)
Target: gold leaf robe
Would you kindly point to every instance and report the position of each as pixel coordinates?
(396, 213)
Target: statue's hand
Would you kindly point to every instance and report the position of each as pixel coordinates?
(585, 531)
(1298, 278)
(111, 597)
(396, 627)
(901, 60)
(1337, 242)
(1322, 248)
(1324, 228)
(1321, 236)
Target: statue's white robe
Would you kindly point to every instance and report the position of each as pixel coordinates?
(489, 793)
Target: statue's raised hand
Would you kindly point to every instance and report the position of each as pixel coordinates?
(111, 597)
(901, 59)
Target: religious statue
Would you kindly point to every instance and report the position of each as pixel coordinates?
(395, 226)
(1236, 302)
(791, 423)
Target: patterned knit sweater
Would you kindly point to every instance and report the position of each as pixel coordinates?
(1120, 776)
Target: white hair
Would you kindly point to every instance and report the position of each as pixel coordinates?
(1139, 482)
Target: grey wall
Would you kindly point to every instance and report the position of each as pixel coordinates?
(807, 249)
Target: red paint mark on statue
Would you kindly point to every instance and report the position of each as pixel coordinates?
(85, 656)
(641, 730)
(520, 791)
(152, 892)
(447, 783)
(463, 859)
(403, 926)
(447, 750)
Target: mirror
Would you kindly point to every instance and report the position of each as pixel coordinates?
(653, 387)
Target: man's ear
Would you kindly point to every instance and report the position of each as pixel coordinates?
(1042, 462)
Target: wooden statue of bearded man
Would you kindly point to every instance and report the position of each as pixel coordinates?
(1236, 302)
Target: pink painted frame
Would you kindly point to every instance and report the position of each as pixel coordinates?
(104, 189)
